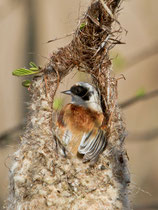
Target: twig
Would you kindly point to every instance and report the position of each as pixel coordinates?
(107, 9)
(59, 38)
(102, 45)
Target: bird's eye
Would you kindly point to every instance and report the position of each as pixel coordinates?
(82, 92)
(78, 90)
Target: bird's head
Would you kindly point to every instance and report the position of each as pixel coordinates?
(84, 94)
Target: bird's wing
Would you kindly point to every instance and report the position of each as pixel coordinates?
(66, 137)
(92, 145)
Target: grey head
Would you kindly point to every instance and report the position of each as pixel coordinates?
(86, 95)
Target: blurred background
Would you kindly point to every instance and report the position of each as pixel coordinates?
(27, 25)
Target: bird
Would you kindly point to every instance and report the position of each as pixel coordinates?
(81, 123)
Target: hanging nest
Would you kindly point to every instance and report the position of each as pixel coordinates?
(40, 177)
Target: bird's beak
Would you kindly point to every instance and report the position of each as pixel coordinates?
(68, 92)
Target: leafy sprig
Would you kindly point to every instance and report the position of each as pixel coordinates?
(25, 72)
(34, 69)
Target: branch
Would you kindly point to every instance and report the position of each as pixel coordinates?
(143, 55)
(11, 131)
(136, 99)
(40, 178)
(144, 135)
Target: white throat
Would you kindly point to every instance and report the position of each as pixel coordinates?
(93, 103)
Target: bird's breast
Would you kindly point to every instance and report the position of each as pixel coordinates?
(82, 119)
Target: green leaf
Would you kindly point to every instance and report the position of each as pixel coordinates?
(23, 72)
(33, 65)
(26, 83)
(140, 92)
(82, 25)
(57, 104)
(34, 69)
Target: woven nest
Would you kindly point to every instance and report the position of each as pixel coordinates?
(39, 176)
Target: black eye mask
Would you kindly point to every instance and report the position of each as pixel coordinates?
(82, 92)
